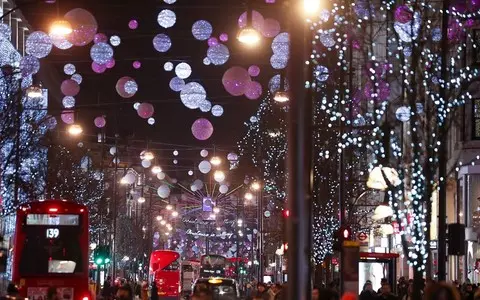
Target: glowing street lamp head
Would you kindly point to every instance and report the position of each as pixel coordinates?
(75, 129)
(163, 222)
(219, 176)
(255, 186)
(216, 161)
(156, 169)
(216, 210)
(249, 36)
(60, 28)
(159, 218)
(141, 200)
(248, 196)
(174, 214)
(281, 97)
(169, 207)
(311, 7)
(147, 155)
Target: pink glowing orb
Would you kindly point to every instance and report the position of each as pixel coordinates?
(111, 63)
(271, 28)
(202, 129)
(254, 70)
(84, 26)
(70, 87)
(257, 20)
(133, 24)
(224, 37)
(137, 65)
(270, 1)
(100, 121)
(100, 38)
(68, 116)
(235, 81)
(98, 68)
(145, 110)
(254, 90)
(213, 41)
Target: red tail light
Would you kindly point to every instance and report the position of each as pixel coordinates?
(53, 209)
(85, 298)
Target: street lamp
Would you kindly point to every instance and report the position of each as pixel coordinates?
(216, 161)
(216, 210)
(75, 129)
(174, 213)
(156, 169)
(147, 155)
(255, 186)
(382, 211)
(159, 218)
(60, 28)
(248, 196)
(249, 36)
(34, 91)
(281, 96)
(141, 200)
(311, 7)
(219, 176)
(169, 207)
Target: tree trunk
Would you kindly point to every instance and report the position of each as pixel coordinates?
(417, 284)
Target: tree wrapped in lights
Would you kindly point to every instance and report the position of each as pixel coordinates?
(407, 60)
(265, 146)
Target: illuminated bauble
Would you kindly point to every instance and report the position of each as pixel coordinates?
(190, 173)
(126, 87)
(205, 105)
(271, 28)
(68, 102)
(136, 105)
(50, 122)
(202, 30)
(145, 110)
(133, 24)
(166, 18)
(38, 44)
(198, 184)
(224, 37)
(403, 113)
(204, 153)
(253, 119)
(206, 61)
(327, 39)
(192, 94)
(218, 54)
(136, 64)
(146, 163)
(202, 129)
(213, 41)
(29, 65)
(98, 68)
(100, 122)
(5, 31)
(101, 53)
(151, 121)
(257, 20)
(281, 44)
(274, 84)
(321, 73)
(176, 84)
(169, 1)
(110, 64)
(232, 157)
(403, 14)
(100, 38)
(161, 176)
(70, 87)
(162, 42)
(168, 66)
(68, 116)
(279, 61)
(183, 70)
(235, 80)
(129, 178)
(115, 40)
(217, 110)
(254, 71)
(407, 32)
(113, 150)
(163, 191)
(223, 189)
(69, 69)
(175, 161)
(254, 90)
(175, 152)
(204, 166)
(84, 26)
(60, 41)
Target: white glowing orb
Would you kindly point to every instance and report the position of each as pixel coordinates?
(204, 153)
(202, 30)
(162, 42)
(204, 166)
(166, 18)
(101, 53)
(38, 44)
(168, 66)
(115, 40)
(183, 70)
(192, 95)
(69, 69)
(68, 102)
(176, 84)
(151, 121)
(205, 105)
(218, 54)
(217, 110)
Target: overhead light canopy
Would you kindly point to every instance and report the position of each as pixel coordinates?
(376, 179)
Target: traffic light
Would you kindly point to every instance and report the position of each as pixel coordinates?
(101, 255)
(344, 233)
(286, 213)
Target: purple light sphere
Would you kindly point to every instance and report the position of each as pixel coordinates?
(212, 41)
(254, 90)
(254, 71)
(100, 122)
(110, 64)
(98, 68)
(202, 129)
(137, 64)
(235, 80)
(133, 24)
(70, 87)
(145, 110)
(100, 38)
(403, 14)
(68, 116)
(224, 36)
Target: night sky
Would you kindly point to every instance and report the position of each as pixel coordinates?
(173, 119)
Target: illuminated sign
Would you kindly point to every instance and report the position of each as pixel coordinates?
(53, 233)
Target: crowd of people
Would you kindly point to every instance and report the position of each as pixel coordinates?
(125, 289)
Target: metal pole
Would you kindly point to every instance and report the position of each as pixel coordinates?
(18, 127)
(114, 208)
(299, 161)
(442, 159)
(261, 232)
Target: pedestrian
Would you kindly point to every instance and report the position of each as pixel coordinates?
(367, 292)
(441, 291)
(315, 293)
(107, 289)
(144, 295)
(12, 291)
(262, 291)
(468, 292)
(154, 291)
(124, 293)
(278, 291)
(386, 293)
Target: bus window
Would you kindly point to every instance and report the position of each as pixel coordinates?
(174, 266)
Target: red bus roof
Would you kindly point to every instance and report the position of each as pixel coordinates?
(54, 206)
(163, 258)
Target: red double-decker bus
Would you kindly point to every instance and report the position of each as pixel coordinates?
(165, 272)
(51, 250)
